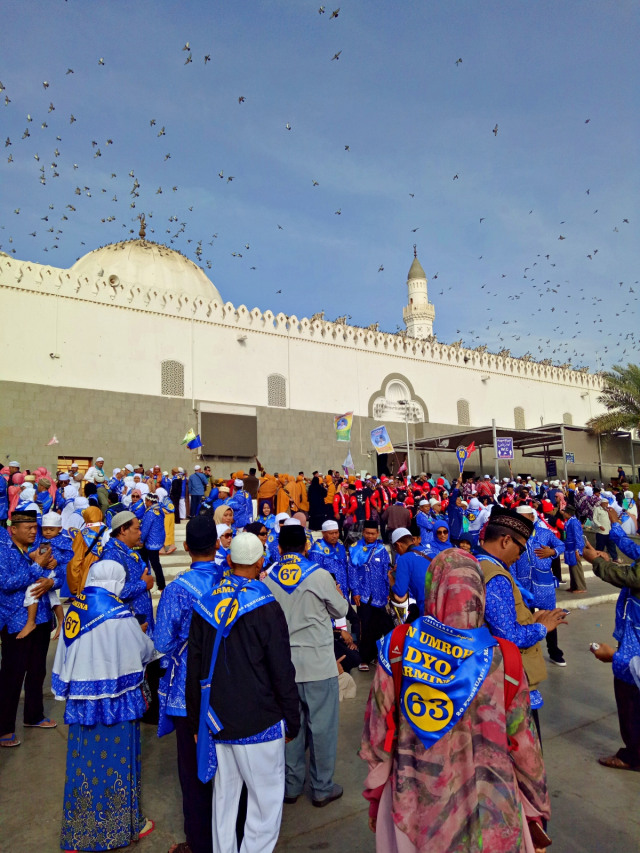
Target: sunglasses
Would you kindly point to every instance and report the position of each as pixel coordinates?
(521, 548)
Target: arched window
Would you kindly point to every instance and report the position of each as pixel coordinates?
(567, 419)
(277, 390)
(172, 381)
(518, 417)
(389, 407)
(464, 418)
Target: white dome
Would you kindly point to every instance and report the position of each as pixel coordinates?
(146, 264)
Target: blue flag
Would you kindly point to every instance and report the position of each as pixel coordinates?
(194, 443)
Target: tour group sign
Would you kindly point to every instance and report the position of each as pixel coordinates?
(504, 448)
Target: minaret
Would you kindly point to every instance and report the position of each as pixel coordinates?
(419, 314)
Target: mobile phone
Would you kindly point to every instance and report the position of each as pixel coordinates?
(43, 548)
(566, 611)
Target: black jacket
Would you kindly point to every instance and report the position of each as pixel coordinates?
(253, 683)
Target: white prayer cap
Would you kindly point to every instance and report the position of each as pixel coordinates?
(330, 524)
(505, 479)
(399, 533)
(487, 476)
(628, 495)
(100, 459)
(221, 529)
(129, 468)
(434, 501)
(523, 509)
(246, 549)
(423, 503)
(292, 521)
(180, 470)
(51, 519)
(225, 489)
(64, 478)
(196, 467)
(81, 503)
(238, 483)
(14, 464)
(74, 465)
(115, 471)
(281, 516)
(165, 473)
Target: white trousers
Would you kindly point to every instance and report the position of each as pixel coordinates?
(261, 767)
(182, 504)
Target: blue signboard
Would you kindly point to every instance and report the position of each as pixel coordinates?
(504, 448)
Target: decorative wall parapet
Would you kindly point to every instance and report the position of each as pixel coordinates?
(61, 283)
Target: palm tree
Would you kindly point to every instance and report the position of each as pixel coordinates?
(621, 398)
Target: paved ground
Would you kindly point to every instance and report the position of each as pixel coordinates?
(595, 810)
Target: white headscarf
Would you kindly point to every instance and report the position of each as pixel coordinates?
(107, 661)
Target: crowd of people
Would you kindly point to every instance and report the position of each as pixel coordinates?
(446, 587)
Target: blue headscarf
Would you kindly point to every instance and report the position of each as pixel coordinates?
(437, 545)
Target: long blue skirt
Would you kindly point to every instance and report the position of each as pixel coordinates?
(101, 808)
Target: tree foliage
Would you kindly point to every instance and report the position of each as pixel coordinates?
(621, 399)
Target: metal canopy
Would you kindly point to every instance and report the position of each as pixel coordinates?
(543, 442)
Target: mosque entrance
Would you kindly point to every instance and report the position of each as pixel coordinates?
(83, 463)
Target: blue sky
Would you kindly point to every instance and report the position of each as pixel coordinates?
(412, 117)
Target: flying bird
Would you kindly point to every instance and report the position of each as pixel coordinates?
(459, 61)
(314, 183)
(336, 55)
(335, 13)
(241, 99)
(187, 46)
(380, 268)
(207, 58)
(101, 61)
(495, 130)
(287, 126)
(347, 148)
(321, 10)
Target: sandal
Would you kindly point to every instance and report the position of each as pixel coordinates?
(46, 723)
(9, 742)
(616, 763)
(147, 829)
(363, 667)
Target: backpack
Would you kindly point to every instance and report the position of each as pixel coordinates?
(512, 675)
(84, 556)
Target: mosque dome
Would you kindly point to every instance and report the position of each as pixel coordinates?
(148, 265)
(416, 270)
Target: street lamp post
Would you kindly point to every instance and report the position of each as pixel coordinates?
(405, 405)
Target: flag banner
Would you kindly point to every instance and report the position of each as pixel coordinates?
(342, 425)
(504, 447)
(194, 443)
(188, 437)
(471, 448)
(348, 462)
(380, 440)
(54, 440)
(461, 455)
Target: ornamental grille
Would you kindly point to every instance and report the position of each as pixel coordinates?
(277, 391)
(518, 417)
(172, 382)
(567, 419)
(464, 418)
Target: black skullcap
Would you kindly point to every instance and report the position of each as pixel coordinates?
(255, 527)
(512, 520)
(292, 537)
(201, 533)
(370, 525)
(24, 515)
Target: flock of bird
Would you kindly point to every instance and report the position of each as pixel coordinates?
(122, 200)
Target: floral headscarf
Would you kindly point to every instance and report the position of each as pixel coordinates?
(456, 593)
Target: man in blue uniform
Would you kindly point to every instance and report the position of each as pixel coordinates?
(369, 582)
(533, 572)
(330, 553)
(19, 568)
(411, 570)
(152, 534)
(173, 621)
(242, 506)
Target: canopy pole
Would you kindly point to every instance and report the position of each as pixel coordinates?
(633, 460)
(564, 454)
(495, 448)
